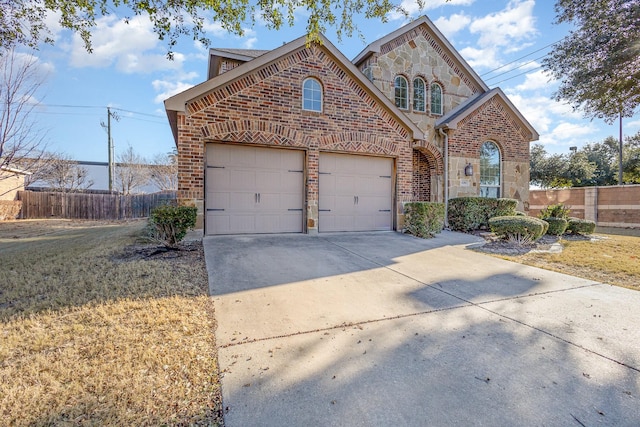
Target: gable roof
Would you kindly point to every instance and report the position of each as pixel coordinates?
(242, 55)
(177, 103)
(455, 116)
(376, 46)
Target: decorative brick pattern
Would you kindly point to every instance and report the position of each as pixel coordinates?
(422, 171)
(265, 107)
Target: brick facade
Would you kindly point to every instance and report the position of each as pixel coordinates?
(262, 104)
(265, 107)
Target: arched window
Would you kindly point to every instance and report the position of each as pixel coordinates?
(436, 99)
(311, 95)
(489, 170)
(418, 95)
(401, 96)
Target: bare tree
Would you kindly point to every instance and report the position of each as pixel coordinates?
(164, 171)
(131, 172)
(22, 143)
(60, 173)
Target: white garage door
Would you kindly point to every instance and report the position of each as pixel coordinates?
(253, 190)
(355, 193)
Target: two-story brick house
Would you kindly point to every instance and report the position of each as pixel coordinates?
(300, 139)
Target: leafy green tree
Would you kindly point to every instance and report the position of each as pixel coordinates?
(598, 63)
(24, 22)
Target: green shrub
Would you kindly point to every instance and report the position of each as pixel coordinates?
(555, 211)
(424, 219)
(9, 209)
(472, 213)
(169, 224)
(581, 226)
(517, 229)
(557, 226)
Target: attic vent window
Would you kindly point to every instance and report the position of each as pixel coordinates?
(312, 95)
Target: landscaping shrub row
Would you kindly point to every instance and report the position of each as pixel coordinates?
(473, 213)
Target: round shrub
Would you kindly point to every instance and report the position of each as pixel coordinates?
(424, 219)
(518, 229)
(557, 226)
(581, 226)
(473, 213)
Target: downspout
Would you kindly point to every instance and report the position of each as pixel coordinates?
(446, 176)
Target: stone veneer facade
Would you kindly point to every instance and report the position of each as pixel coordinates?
(417, 54)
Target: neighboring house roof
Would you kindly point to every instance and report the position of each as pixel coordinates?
(14, 170)
(376, 46)
(240, 55)
(177, 103)
(451, 119)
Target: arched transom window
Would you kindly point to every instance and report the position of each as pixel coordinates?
(419, 95)
(401, 95)
(436, 99)
(312, 95)
(489, 170)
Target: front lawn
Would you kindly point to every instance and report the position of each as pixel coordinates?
(97, 331)
(611, 259)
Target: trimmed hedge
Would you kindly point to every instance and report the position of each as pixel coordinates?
(9, 209)
(555, 211)
(518, 229)
(472, 213)
(424, 219)
(557, 226)
(581, 226)
(169, 224)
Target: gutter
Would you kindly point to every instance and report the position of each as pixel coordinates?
(446, 176)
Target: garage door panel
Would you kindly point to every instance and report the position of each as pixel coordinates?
(254, 189)
(355, 193)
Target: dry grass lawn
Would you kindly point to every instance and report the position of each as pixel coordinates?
(93, 333)
(613, 259)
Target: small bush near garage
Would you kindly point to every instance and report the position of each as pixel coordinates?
(580, 226)
(517, 229)
(169, 224)
(424, 219)
(473, 213)
(9, 209)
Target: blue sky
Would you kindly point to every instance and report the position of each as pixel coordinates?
(128, 71)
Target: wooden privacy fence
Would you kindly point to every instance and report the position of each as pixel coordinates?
(610, 206)
(37, 204)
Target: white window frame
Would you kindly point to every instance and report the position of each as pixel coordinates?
(424, 95)
(308, 95)
(432, 104)
(484, 188)
(397, 97)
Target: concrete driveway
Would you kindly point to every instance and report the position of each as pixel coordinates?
(383, 329)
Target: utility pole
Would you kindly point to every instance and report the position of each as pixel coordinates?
(620, 154)
(107, 127)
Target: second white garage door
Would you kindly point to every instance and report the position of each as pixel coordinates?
(355, 193)
(253, 190)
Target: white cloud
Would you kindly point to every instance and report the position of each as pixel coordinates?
(568, 134)
(132, 47)
(537, 80)
(507, 27)
(542, 111)
(413, 8)
(452, 25)
(480, 57)
(168, 88)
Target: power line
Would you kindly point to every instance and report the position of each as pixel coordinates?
(100, 107)
(522, 57)
(517, 75)
(515, 68)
